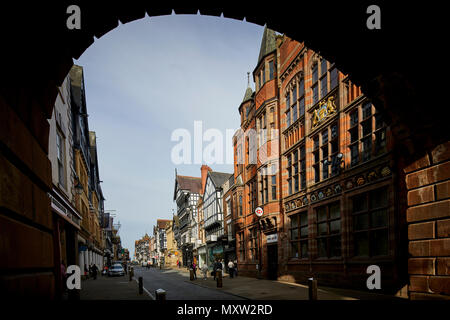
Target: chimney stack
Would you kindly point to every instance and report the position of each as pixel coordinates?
(204, 170)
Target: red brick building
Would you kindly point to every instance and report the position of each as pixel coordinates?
(339, 194)
(257, 151)
(322, 170)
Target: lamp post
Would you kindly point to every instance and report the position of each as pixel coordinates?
(337, 160)
(259, 213)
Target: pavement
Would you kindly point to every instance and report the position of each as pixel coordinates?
(111, 288)
(177, 285)
(262, 289)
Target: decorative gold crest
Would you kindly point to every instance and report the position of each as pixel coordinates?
(325, 109)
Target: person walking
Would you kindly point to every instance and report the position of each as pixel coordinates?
(217, 267)
(205, 271)
(194, 269)
(231, 268)
(94, 271)
(86, 271)
(235, 268)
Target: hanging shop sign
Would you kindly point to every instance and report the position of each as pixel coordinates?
(271, 238)
(259, 211)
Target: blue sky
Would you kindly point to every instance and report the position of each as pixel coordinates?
(147, 78)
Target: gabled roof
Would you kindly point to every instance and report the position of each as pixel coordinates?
(268, 43)
(218, 178)
(162, 224)
(192, 184)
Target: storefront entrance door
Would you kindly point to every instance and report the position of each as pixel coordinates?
(272, 261)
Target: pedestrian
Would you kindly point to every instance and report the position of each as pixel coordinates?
(205, 271)
(235, 268)
(194, 269)
(86, 271)
(217, 267)
(223, 265)
(94, 271)
(231, 268)
(105, 270)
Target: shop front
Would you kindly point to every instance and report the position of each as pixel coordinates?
(67, 224)
(215, 252)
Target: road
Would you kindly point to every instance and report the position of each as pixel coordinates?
(178, 286)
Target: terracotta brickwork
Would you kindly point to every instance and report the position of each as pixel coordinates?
(428, 217)
(25, 215)
(308, 137)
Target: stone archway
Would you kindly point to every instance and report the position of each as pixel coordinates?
(384, 62)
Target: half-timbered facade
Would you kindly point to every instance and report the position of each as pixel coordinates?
(213, 215)
(186, 195)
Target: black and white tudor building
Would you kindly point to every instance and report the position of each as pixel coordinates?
(213, 215)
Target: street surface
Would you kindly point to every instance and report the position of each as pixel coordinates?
(178, 286)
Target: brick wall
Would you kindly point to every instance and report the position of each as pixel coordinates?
(27, 265)
(428, 217)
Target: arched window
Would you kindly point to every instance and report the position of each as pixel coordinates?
(315, 83)
(323, 78)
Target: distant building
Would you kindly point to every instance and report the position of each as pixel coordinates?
(142, 249)
(171, 254)
(213, 215)
(159, 233)
(187, 193)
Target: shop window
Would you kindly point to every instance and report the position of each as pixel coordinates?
(298, 232)
(370, 223)
(329, 230)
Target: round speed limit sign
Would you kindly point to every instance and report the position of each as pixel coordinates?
(259, 211)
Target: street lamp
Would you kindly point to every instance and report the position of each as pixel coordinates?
(336, 161)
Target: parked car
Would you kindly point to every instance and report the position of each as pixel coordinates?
(116, 270)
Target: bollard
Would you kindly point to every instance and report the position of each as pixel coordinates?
(160, 294)
(219, 278)
(141, 286)
(312, 285)
(191, 274)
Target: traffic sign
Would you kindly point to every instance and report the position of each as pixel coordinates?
(259, 211)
